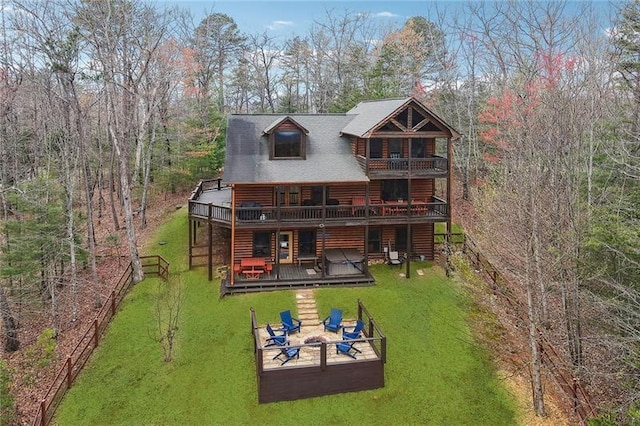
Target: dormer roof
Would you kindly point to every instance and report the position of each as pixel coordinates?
(282, 119)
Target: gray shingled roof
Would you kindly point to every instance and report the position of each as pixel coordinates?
(329, 157)
(370, 114)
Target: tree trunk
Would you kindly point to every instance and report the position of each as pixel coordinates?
(147, 171)
(536, 363)
(112, 188)
(123, 166)
(11, 343)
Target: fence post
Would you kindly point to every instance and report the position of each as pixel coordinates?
(95, 332)
(69, 378)
(113, 302)
(323, 356)
(383, 349)
(359, 309)
(43, 411)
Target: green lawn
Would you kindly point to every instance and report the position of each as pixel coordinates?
(435, 372)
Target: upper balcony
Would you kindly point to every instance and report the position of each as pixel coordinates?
(394, 168)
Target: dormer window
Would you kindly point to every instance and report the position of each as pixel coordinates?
(287, 139)
(287, 144)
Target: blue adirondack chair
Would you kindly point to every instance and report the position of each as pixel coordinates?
(353, 332)
(346, 347)
(289, 353)
(334, 321)
(289, 324)
(275, 339)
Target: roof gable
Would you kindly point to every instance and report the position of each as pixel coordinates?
(282, 120)
(396, 115)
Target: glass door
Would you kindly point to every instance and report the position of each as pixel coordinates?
(285, 247)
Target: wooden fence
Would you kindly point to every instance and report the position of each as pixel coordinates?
(152, 266)
(555, 364)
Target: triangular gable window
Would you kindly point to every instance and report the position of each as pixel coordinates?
(428, 127)
(390, 127)
(411, 119)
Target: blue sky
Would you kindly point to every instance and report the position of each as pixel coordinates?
(287, 17)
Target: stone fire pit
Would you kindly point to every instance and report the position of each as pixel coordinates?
(315, 339)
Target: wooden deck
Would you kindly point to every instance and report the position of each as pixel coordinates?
(319, 369)
(292, 276)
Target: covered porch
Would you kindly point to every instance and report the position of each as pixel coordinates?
(291, 276)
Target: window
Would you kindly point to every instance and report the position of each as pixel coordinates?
(262, 244)
(307, 243)
(287, 143)
(316, 195)
(418, 148)
(395, 148)
(375, 148)
(401, 239)
(287, 195)
(397, 189)
(375, 243)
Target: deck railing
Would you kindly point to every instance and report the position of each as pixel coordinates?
(373, 336)
(420, 166)
(437, 208)
(373, 331)
(154, 266)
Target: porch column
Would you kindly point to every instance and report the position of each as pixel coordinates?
(233, 235)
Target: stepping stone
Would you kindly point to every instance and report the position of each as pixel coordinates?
(307, 309)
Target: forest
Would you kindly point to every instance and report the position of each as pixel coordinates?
(106, 104)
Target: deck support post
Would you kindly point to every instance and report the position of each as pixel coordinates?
(408, 259)
(210, 248)
(190, 244)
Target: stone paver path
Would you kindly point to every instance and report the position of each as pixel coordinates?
(307, 310)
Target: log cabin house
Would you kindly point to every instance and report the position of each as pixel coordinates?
(312, 199)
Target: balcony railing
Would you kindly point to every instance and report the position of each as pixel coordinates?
(430, 166)
(435, 209)
(202, 206)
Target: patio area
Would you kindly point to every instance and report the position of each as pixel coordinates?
(310, 352)
(319, 370)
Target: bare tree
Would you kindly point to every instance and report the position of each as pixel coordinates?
(264, 56)
(168, 309)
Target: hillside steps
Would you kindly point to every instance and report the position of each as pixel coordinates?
(307, 309)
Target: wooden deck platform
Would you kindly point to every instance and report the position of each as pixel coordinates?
(319, 369)
(292, 276)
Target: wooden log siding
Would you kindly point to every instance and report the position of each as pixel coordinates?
(421, 189)
(351, 237)
(244, 244)
(359, 146)
(262, 195)
(421, 236)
